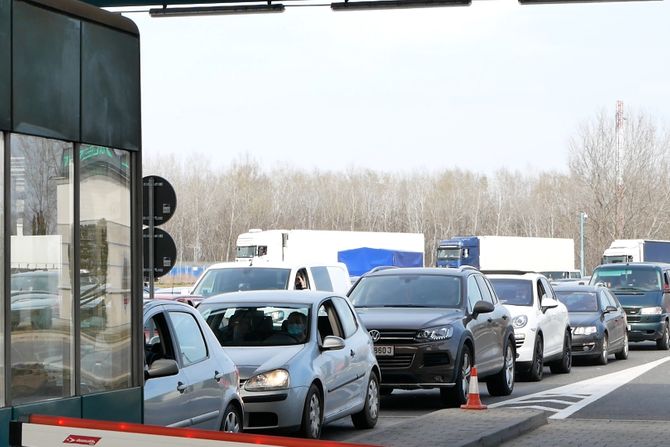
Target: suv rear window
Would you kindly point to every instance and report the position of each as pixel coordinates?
(643, 279)
(407, 291)
(516, 292)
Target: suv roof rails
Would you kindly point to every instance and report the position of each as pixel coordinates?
(467, 267)
(507, 272)
(381, 267)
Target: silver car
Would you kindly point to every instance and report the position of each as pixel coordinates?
(304, 358)
(189, 379)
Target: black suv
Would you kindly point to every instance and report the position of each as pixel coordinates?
(430, 326)
(643, 289)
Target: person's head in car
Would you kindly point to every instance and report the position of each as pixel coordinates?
(296, 325)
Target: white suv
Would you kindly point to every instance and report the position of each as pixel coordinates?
(541, 323)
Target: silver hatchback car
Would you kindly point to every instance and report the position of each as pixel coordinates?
(304, 358)
(189, 379)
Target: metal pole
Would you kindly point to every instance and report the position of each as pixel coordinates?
(151, 237)
(582, 216)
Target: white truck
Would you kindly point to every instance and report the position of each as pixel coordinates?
(637, 250)
(360, 251)
(489, 253)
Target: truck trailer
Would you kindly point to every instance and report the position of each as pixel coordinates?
(360, 251)
(496, 253)
(637, 250)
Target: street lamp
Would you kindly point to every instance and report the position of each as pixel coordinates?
(582, 217)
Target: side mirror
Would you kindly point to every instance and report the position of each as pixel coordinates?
(162, 368)
(548, 303)
(609, 309)
(482, 307)
(332, 343)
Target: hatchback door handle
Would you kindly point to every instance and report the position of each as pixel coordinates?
(181, 387)
(218, 376)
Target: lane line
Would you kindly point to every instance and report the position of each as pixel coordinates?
(594, 389)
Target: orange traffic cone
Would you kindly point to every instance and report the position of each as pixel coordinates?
(473, 403)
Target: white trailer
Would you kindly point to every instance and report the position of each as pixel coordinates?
(357, 249)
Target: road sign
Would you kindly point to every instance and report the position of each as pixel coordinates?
(165, 200)
(165, 253)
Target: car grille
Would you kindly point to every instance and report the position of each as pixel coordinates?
(397, 335)
(397, 361)
(634, 319)
(632, 311)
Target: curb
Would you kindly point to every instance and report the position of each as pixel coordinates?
(500, 435)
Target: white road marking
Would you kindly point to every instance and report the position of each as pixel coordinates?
(588, 391)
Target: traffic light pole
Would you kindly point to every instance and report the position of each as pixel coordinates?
(151, 237)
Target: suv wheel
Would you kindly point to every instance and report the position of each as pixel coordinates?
(623, 354)
(502, 384)
(537, 366)
(458, 395)
(663, 343)
(564, 365)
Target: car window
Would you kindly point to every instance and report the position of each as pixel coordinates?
(347, 318)
(407, 290)
(512, 291)
(272, 324)
(224, 280)
(492, 291)
(639, 278)
(322, 279)
(157, 341)
(578, 301)
(190, 343)
(548, 290)
(473, 293)
(486, 293)
(328, 322)
(611, 300)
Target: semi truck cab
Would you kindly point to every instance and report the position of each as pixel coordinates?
(458, 251)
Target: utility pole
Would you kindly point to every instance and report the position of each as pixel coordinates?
(582, 217)
(618, 228)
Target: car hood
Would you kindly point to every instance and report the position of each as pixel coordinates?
(584, 318)
(639, 299)
(406, 318)
(252, 360)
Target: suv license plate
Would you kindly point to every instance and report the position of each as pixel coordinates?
(384, 351)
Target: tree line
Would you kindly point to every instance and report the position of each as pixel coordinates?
(617, 174)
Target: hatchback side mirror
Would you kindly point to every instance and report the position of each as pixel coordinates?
(332, 343)
(482, 307)
(162, 368)
(548, 303)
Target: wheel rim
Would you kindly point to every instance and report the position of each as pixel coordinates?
(314, 416)
(568, 352)
(605, 349)
(509, 367)
(465, 374)
(666, 335)
(373, 399)
(232, 423)
(625, 344)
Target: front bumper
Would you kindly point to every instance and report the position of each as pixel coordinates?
(525, 344)
(273, 409)
(587, 345)
(420, 365)
(646, 331)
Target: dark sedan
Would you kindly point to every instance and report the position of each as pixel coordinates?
(430, 326)
(598, 322)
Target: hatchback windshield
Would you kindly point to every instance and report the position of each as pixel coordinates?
(257, 326)
(578, 301)
(407, 291)
(627, 278)
(241, 278)
(517, 292)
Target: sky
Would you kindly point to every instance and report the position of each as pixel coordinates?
(492, 85)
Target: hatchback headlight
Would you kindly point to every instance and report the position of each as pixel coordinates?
(585, 330)
(277, 379)
(651, 311)
(434, 333)
(519, 321)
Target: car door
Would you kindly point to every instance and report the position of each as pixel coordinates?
(497, 323)
(205, 393)
(334, 365)
(556, 317)
(480, 328)
(165, 398)
(358, 345)
(615, 321)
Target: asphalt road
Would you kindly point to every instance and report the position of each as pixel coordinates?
(643, 398)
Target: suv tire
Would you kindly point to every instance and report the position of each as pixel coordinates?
(663, 343)
(564, 365)
(536, 370)
(458, 394)
(502, 383)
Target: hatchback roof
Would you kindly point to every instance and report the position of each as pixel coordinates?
(270, 296)
(577, 288)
